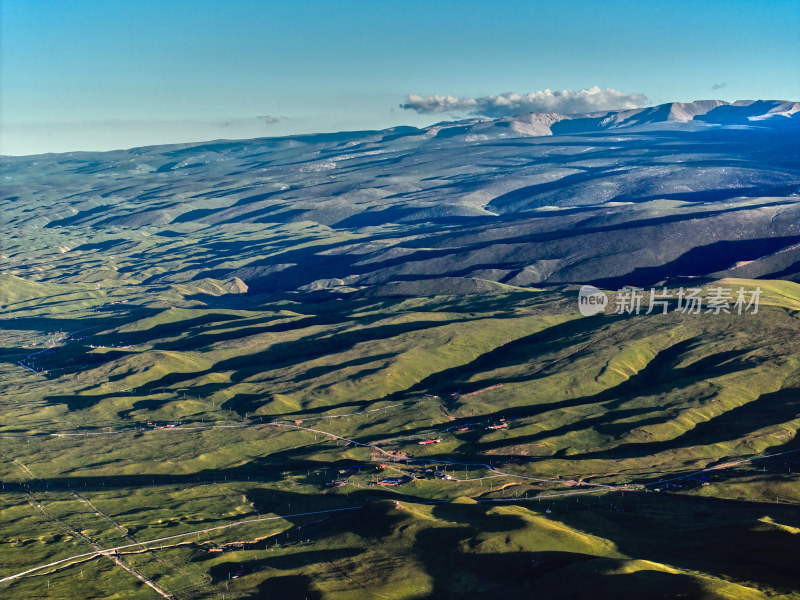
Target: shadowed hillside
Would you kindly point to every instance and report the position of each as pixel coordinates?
(624, 197)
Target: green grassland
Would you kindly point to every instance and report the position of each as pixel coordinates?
(211, 354)
(275, 397)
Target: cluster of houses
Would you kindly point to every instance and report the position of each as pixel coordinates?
(394, 481)
(418, 473)
(154, 425)
(499, 424)
(433, 473)
(687, 482)
(116, 345)
(349, 470)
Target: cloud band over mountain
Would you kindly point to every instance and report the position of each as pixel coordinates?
(514, 103)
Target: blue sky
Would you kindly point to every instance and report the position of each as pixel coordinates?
(83, 74)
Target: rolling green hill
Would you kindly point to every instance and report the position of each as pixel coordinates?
(646, 454)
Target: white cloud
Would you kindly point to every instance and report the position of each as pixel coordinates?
(513, 103)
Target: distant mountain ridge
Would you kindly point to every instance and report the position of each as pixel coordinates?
(701, 113)
(636, 196)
